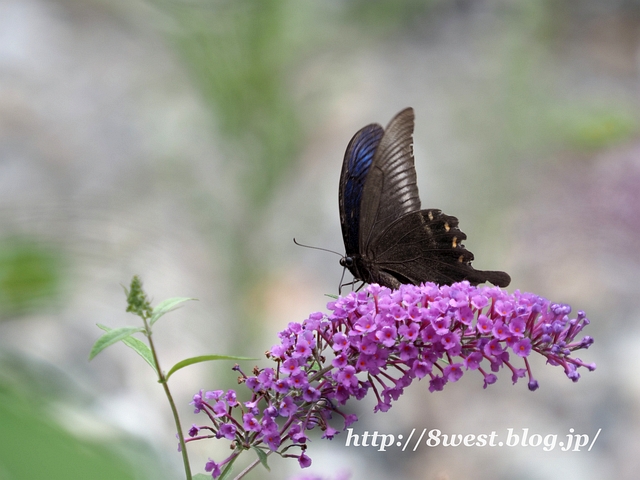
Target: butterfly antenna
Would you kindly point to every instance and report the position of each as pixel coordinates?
(316, 248)
(330, 251)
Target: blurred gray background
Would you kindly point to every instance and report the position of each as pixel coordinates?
(190, 141)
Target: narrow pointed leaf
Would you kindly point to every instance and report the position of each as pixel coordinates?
(166, 306)
(262, 456)
(203, 358)
(137, 346)
(228, 469)
(112, 336)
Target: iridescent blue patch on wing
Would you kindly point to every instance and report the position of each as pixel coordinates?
(361, 154)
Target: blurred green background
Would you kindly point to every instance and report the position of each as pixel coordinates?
(189, 142)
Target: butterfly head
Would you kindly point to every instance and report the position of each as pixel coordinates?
(347, 262)
(350, 262)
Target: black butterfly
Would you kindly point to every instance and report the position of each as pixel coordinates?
(388, 239)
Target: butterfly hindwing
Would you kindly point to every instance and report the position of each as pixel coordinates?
(427, 246)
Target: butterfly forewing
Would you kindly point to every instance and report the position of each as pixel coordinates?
(355, 167)
(390, 190)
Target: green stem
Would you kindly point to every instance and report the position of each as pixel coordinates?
(250, 467)
(163, 380)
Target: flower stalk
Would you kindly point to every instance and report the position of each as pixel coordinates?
(138, 304)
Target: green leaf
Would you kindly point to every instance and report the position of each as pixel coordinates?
(262, 457)
(203, 358)
(137, 346)
(112, 336)
(28, 425)
(335, 297)
(32, 275)
(226, 471)
(201, 476)
(167, 306)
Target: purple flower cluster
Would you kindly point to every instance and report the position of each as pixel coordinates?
(381, 340)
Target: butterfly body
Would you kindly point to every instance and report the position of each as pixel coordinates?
(388, 239)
